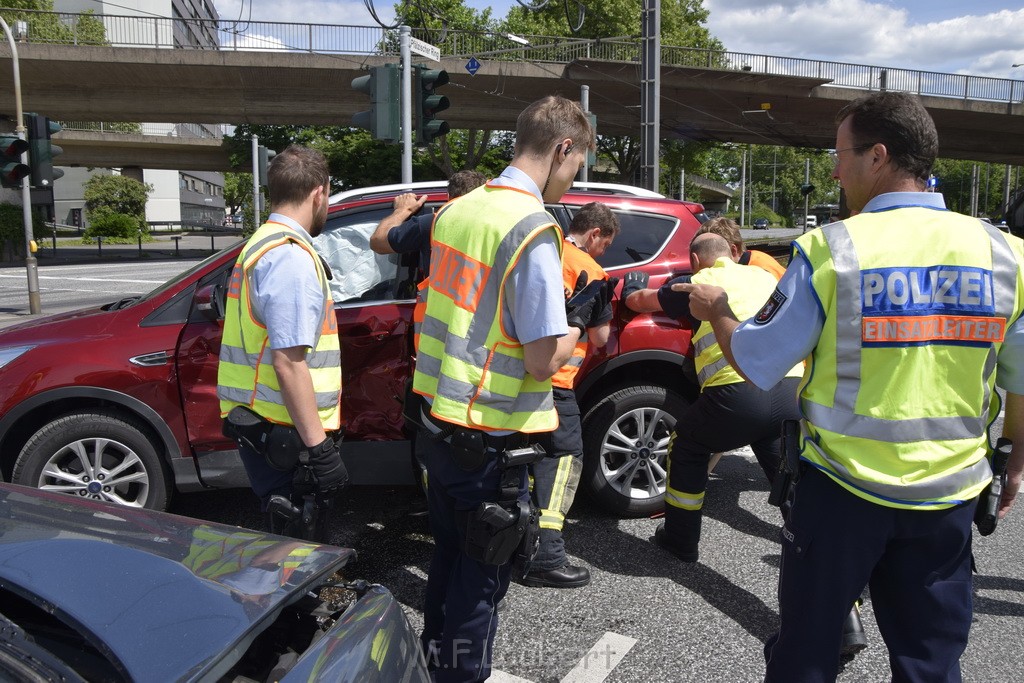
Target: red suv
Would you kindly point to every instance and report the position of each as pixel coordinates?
(119, 402)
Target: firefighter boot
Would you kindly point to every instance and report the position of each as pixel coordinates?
(854, 638)
(683, 540)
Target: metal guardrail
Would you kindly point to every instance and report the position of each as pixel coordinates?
(191, 131)
(263, 36)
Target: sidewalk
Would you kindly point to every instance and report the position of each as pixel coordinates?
(161, 248)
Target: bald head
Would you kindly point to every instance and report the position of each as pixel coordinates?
(706, 249)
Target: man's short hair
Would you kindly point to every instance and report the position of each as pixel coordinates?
(595, 215)
(901, 123)
(710, 247)
(463, 182)
(547, 122)
(725, 227)
(294, 173)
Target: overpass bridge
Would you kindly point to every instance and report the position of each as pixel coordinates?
(271, 73)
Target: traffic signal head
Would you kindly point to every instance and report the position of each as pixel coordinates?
(41, 151)
(264, 155)
(382, 119)
(806, 189)
(429, 103)
(11, 168)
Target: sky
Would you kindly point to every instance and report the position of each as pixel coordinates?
(978, 37)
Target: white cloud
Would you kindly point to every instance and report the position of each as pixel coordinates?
(872, 33)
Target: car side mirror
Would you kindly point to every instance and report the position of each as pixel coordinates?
(209, 301)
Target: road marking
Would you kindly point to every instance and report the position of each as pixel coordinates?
(597, 664)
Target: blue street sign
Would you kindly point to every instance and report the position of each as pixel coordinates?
(934, 182)
(472, 66)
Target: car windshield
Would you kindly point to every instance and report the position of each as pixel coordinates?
(202, 265)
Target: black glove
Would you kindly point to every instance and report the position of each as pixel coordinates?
(634, 281)
(324, 472)
(581, 282)
(579, 309)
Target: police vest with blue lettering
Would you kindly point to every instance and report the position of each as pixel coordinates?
(899, 391)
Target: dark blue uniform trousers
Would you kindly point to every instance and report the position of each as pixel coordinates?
(917, 564)
(264, 479)
(459, 613)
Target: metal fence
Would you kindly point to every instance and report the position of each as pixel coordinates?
(191, 131)
(263, 36)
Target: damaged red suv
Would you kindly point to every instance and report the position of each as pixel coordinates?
(119, 402)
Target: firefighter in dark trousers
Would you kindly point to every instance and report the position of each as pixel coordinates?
(280, 356)
(910, 314)
(729, 413)
(556, 477)
(488, 346)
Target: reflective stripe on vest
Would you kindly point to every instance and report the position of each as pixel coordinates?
(467, 362)
(930, 476)
(246, 374)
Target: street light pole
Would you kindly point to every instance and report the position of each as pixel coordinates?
(31, 265)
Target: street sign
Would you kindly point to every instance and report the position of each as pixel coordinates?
(472, 66)
(425, 49)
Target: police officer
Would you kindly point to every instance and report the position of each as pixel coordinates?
(494, 332)
(280, 356)
(730, 230)
(556, 477)
(909, 313)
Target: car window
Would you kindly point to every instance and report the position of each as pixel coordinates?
(359, 275)
(641, 237)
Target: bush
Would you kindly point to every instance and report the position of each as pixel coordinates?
(12, 231)
(114, 227)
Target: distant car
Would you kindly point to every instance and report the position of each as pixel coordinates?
(91, 591)
(811, 222)
(760, 224)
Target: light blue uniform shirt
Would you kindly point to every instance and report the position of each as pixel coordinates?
(534, 293)
(793, 331)
(286, 293)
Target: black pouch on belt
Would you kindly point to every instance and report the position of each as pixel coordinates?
(469, 449)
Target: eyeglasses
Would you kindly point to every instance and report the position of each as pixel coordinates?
(835, 155)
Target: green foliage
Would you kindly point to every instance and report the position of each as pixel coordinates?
(237, 191)
(117, 194)
(12, 231)
(114, 227)
(113, 127)
(85, 29)
(955, 185)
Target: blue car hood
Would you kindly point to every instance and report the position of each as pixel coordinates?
(166, 597)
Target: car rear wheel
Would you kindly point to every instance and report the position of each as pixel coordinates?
(96, 455)
(625, 446)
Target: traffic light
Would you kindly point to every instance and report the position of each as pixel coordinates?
(41, 151)
(264, 155)
(806, 189)
(429, 103)
(11, 168)
(382, 119)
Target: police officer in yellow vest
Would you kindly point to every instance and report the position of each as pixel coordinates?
(494, 332)
(730, 412)
(280, 355)
(910, 316)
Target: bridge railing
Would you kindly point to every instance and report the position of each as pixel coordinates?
(263, 36)
(173, 130)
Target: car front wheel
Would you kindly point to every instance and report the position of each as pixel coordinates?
(95, 455)
(625, 447)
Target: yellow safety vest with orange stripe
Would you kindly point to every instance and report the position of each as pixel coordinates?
(899, 394)
(246, 373)
(472, 369)
(575, 261)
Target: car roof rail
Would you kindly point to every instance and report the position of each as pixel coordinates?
(615, 188)
(379, 190)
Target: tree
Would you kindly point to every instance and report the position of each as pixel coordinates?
(237, 191)
(48, 28)
(107, 195)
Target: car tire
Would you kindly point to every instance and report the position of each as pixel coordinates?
(62, 457)
(625, 474)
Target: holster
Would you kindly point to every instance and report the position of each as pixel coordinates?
(986, 515)
(789, 467)
(498, 531)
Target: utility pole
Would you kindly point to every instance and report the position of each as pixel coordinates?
(31, 264)
(743, 190)
(807, 197)
(650, 94)
(255, 183)
(404, 33)
(585, 105)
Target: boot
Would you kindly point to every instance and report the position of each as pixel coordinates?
(854, 638)
(685, 552)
